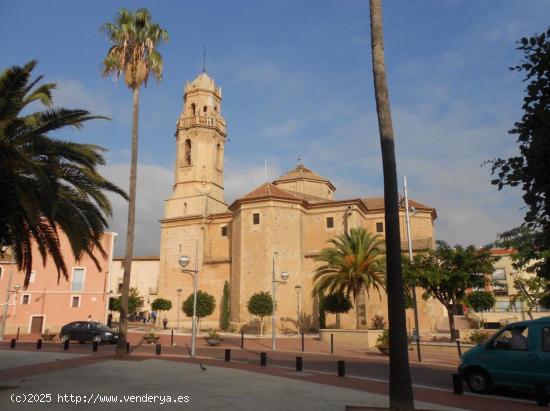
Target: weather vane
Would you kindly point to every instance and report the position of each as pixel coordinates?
(204, 59)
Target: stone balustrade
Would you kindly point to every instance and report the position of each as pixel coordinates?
(208, 121)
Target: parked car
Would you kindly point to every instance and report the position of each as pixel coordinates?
(88, 331)
(516, 356)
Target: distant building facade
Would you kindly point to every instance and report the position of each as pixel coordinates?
(48, 303)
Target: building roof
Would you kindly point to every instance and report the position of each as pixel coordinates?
(377, 203)
(269, 190)
(503, 251)
(202, 81)
(139, 258)
(301, 172)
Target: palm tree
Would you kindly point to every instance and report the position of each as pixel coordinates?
(354, 263)
(401, 395)
(133, 54)
(47, 184)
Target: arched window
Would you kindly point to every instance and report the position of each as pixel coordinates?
(205, 109)
(193, 109)
(187, 155)
(219, 156)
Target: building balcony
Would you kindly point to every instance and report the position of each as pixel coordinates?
(202, 121)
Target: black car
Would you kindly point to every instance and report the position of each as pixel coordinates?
(88, 331)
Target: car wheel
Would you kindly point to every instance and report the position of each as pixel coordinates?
(65, 338)
(478, 380)
(97, 338)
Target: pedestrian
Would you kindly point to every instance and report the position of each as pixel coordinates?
(90, 317)
(109, 320)
(164, 322)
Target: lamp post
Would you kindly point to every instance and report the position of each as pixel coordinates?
(274, 283)
(298, 288)
(183, 262)
(409, 241)
(8, 291)
(179, 290)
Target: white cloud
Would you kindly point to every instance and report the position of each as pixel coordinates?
(154, 184)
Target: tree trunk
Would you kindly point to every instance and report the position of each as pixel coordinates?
(261, 326)
(125, 289)
(338, 320)
(529, 313)
(360, 307)
(452, 328)
(401, 395)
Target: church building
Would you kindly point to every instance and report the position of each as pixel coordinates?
(277, 227)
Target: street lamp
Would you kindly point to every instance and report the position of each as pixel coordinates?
(409, 241)
(298, 288)
(179, 290)
(183, 262)
(274, 283)
(8, 292)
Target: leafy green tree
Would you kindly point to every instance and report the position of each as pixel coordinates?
(206, 304)
(135, 302)
(261, 305)
(529, 168)
(531, 292)
(337, 303)
(447, 273)
(353, 265)
(225, 313)
(46, 184)
(161, 304)
(480, 301)
(133, 54)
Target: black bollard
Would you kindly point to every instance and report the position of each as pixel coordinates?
(458, 388)
(17, 336)
(172, 339)
(94, 346)
(341, 368)
(458, 346)
(158, 349)
(242, 339)
(332, 343)
(66, 345)
(227, 354)
(263, 359)
(540, 395)
(127, 348)
(12, 343)
(39, 344)
(299, 364)
(302, 342)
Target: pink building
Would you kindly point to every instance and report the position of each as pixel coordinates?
(49, 303)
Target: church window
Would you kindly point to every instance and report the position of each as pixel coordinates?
(187, 155)
(205, 109)
(193, 109)
(330, 222)
(219, 156)
(224, 231)
(256, 218)
(379, 227)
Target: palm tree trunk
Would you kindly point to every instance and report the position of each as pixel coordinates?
(361, 307)
(401, 395)
(125, 290)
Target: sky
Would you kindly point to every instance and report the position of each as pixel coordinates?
(297, 81)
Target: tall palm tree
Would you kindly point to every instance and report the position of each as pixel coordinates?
(401, 395)
(134, 38)
(353, 265)
(47, 184)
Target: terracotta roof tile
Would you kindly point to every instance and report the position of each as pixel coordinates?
(377, 203)
(269, 190)
(299, 172)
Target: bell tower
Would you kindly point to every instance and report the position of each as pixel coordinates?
(200, 141)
